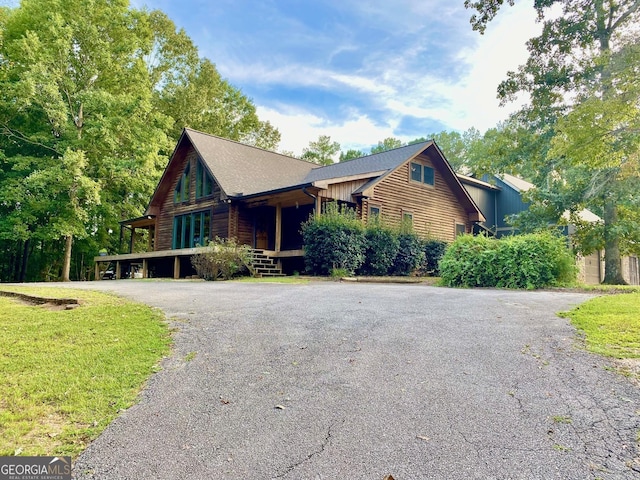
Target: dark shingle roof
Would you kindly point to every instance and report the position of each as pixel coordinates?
(378, 162)
(242, 170)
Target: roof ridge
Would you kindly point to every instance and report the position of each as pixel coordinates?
(248, 146)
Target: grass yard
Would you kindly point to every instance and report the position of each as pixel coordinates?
(611, 324)
(65, 374)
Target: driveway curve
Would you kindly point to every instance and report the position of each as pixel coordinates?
(358, 381)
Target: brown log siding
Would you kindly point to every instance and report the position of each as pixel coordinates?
(435, 209)
(169, 210)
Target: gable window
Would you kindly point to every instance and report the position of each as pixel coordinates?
(204, 181)
(422, 173)
(191, 230)
(181, 193)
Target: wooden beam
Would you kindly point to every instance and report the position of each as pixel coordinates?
(118, 271)
(132, 239)
(176, 267)
(97, 271)
(145, 268)
(278, 226)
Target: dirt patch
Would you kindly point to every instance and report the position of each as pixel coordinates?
(48, 303)
(630, 368)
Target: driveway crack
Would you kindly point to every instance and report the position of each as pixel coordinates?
(323, 445)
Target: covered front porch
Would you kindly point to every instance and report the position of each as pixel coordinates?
(269, 224)
(177, 263)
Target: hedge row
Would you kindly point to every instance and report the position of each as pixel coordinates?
(523, 261)
(337, 241)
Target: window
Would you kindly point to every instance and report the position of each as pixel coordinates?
(407, 218)
(461, 229)
(204, 181)
(422, 173)
(181, 193)
(191, 230)
(374, 211)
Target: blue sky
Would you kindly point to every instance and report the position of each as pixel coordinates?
(359, 70)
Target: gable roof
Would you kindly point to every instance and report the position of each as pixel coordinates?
(378, 162)
(243, 170)
(518, 184)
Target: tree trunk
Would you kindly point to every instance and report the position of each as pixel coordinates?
(66, 263)
(612, 259)
(25, 261)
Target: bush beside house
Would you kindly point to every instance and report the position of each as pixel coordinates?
(336, 241)
(523, 261)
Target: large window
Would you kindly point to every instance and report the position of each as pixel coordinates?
(191, 230)
(181, 193)
(204, 182)
(422, 173)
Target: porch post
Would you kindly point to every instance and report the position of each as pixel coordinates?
(118, 271)
(133, 239)
(318, 205)
(97, 271)
(145, 268)
(278, 226)
(176, 267)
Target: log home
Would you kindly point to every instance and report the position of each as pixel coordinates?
(213, 187)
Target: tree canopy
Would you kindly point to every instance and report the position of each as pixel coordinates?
(321, 151)
(576, 136)
(93, 95)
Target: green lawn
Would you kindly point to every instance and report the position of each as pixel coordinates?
(611, 324)
(65, 374)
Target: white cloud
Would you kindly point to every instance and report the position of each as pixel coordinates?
(402, 90)
(298, 128)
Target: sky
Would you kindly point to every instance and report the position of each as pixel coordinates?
(359, 70)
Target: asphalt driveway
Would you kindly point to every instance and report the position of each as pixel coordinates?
(359, 381)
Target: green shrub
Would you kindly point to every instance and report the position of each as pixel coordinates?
(433, 253)
(410, 254)
(469, 262)
(333, 240)
(381, 249)
(524, 261)
(222, 260)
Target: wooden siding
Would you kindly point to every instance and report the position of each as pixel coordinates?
(435, 209)
(342, 191)
(168, 210)
(244, 226)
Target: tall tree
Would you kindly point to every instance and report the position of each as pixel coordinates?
(387, 144)
(569, 64)
(105, 87)
(350, 155)
(322, 151)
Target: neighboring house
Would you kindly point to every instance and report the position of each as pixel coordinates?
(213, 187)
(501, 196)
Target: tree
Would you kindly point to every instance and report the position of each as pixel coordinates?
(321, 151)
(202, 100)
(386, 144)
(568, 68)
(457, 148)
(100, 90)
(350, 155)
